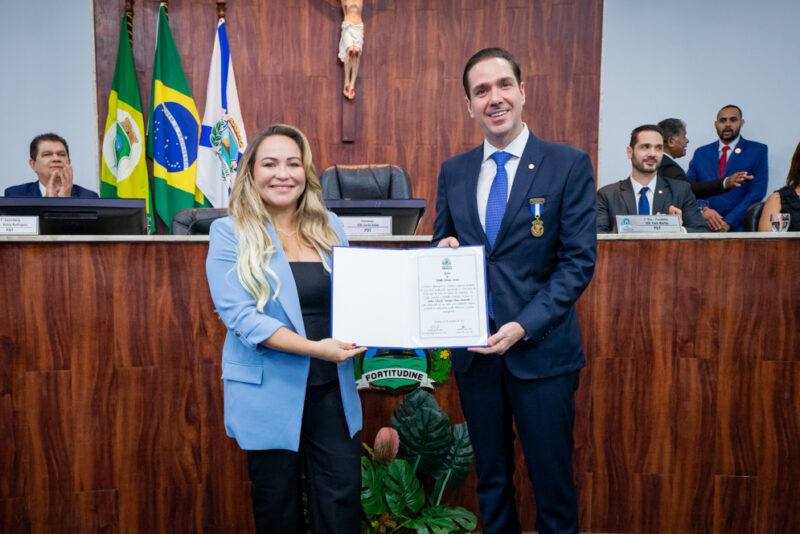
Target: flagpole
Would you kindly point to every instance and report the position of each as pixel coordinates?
(129, 19)
(221, 10)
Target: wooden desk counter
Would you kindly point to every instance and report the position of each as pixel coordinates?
(688, 413)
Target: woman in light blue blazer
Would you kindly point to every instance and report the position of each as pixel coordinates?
(290, 394)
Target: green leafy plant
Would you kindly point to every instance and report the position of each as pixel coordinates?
(420, 442)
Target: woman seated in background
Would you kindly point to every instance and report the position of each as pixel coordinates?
(289, 390)
(786, 199)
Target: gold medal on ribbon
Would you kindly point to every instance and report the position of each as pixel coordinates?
(537, 228)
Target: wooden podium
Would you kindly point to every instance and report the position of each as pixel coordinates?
(688, 413)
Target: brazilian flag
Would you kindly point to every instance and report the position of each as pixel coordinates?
(173, 131)
(124, 168)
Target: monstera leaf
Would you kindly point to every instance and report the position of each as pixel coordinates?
(455, 467)
(425, 439)
(443, 520)
(372, 487)
(410, 404)
(404, 493)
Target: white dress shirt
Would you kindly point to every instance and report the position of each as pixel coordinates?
(732, 144)
(651, 194)
(637, 188)
(489, 169)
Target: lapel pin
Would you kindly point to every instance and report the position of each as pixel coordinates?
(531, 166)
(737, 151)
(660, 192)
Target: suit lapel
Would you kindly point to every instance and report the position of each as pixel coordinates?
(529, 164)
(734, 156)
(287, 296)
(34, 190)
(662, 196)
(626, 190)
(473, 169)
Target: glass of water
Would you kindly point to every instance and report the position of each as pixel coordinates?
(779, 222)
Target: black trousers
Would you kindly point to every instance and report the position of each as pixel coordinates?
(331, 460)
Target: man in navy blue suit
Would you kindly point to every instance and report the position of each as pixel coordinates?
(732, 158)
(532, 205)
(50, 161)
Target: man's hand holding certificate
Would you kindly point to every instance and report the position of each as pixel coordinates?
(417, 298)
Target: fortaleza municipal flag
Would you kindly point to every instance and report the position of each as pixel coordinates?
(124, 169)
(222, 137)
(173, 130)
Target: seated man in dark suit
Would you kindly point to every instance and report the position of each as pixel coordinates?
(50, 161)
(644, 192)
(675, 142)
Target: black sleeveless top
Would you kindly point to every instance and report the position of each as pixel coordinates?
(314, 291)
(790, 203)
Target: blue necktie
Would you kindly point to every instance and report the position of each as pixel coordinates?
(644, 204)
(498, 195)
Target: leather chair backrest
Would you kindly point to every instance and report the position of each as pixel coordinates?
(365, 182)
(752, 216)
(196, 221)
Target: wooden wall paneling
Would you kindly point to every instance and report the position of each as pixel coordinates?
(13, 516)
(419, 167)
(654, 361)
(50, 510)
(693, 488)
(710, 330)
(170, 458)
(50, 448)
(137, 458)
(179, 444)
(779, 447)
(779, 305)
(137, 426)
(12, 383)
(45, 324)
(738, 425)
(613, 395)
(287, 71)
(93, 392)
(97, 511)
(225, 499)
(656, 514)
(583, 483)
(735, 504)
(176, 508)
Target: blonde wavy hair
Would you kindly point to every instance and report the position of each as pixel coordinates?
(251, 216)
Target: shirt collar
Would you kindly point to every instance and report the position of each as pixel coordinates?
(42, 188)
(515, 147)
(732, 144)
(637, 187)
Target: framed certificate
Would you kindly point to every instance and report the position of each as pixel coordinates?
(415, 298)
